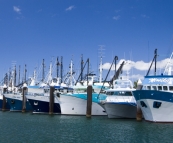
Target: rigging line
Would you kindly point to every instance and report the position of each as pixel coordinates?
(106, 77)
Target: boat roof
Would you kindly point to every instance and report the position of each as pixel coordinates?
(120, 89)
(158, 80)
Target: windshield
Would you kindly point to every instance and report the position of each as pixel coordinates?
(122, 84)
(119, 93)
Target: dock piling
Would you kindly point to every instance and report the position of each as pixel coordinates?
(4, 100)
(51, 100)
(89, 101)
(139, 111)
(24, 89)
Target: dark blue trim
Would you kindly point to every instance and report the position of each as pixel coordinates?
(156, 76)
(16, 105)
(44, 106)
(7, 105)
(153, 94)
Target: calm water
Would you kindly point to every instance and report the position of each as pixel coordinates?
(34, 128)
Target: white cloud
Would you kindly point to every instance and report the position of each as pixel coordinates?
(140, 67)
(116, 17)
(70, 8)
(17, 9)
(135, 77)
(144, 16)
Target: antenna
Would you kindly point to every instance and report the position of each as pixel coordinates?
(101, 49)
(167, 68)
(82, 62)
(43, 65)
(57, 67)
(25, 74)
(61, 69)
(19, 76)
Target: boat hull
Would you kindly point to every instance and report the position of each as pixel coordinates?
(7, 107)
(40, 104)
(120, 110)
(71, 105)
(15, 102)
(161, 112)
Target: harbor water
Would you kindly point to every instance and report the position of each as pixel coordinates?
(35, 128)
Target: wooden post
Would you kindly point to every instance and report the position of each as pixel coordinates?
(89, 101)
(51, 100)
(4, 100)
(24, 89)
(139, 111)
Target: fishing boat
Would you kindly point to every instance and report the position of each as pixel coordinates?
(15, 99)
(75, 103)
(6, 106)
(15, 94)
(120, 103)
(39, 98)
(155, 98)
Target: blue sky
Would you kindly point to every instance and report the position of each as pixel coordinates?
(31, 30)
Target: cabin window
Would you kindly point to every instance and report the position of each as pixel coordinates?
(159, 87)
(143, 104)
(156, 104)
(54, 80)
(124, 93)
(144, 88)
(128, 93)
(171, 88)
(109, 93)
(154, 88)
(148, 87)
(165, 88)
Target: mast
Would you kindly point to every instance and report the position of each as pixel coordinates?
(57, 67)
(25, 74)
(43, 65)
(14, 76)
(88, 71)
(82, 67)
(100, 76)
(50, 74)
(116, 58)
(101, 63)
(19, 75)
(6, 79)
(61, 69)
(34, 76)
(9, 78)
(155, 52)
(154, 59)
(168, 66)
(71, 73)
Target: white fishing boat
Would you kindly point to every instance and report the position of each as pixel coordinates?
(120, 103)
(156, 96)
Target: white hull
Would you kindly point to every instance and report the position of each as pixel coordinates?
(117, 110)
(14, 96)
(1, 97)
(38, 98)
(76, 106)
(162, 114)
